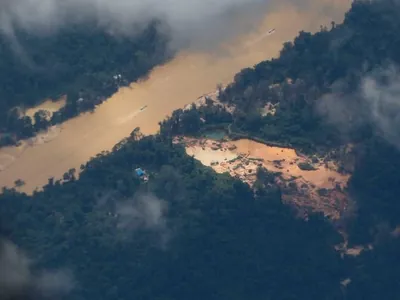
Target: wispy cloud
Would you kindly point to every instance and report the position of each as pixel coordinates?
(143, 212)
(193, 24)
(381, 92)
(19, 281)
(189, 22)
(376, 102)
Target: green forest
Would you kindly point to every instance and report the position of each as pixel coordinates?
(81, 61)
(215, 239)
(189, 233)
(317, 64)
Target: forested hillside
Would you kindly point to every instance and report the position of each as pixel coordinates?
(317, 85)
(328, 90)
(334, 88)
(188, 233)
(82, 61)
(320, 77)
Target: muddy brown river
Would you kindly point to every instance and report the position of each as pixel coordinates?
(172, 86)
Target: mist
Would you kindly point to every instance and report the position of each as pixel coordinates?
(375, 103)
(190, 23)
(144, 211)
(19, 280)
(381, 92)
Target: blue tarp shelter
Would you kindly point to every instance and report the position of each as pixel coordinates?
(139, 172)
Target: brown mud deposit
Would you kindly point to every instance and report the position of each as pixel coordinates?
(213, 96)
(319, 188)
(168, 87)
(48, 105)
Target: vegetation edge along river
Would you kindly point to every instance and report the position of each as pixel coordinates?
(169, 86)
(186, 232)
(86, 66)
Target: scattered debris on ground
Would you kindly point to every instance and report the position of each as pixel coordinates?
(354, 251)
(269, 109)
(309, 183)
(213, 97)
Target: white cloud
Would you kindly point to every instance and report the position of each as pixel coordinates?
(187, 20)
(376, 102)
(19, 281)
(383, 101)
(143, 211)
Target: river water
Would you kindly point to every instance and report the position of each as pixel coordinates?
(172, 86)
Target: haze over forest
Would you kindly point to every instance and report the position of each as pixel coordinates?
(144, 219)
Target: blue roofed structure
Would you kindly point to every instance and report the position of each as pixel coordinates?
(139, 172)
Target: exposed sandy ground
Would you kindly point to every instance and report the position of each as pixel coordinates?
(242, 158)
(210, 157)
(269, 109)
(50, 106)
(321, 189)
(325, 175)
(213, 96)
(171, 86)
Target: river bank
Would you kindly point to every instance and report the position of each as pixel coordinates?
(168, 87)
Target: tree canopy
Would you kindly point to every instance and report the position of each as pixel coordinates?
(189, 233)
(196, 235)
(81, 61)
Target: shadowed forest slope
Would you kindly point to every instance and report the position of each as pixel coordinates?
(188, 232)
(83, 62)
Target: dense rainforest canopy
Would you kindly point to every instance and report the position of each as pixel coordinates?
(188, 233)
(329, 89)
(81, 61)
